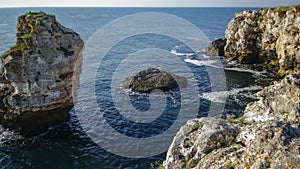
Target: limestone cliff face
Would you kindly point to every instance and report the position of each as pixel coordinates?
(39, 74)
(266, 136)
(266, 35)
(270, 36)
(268, 133)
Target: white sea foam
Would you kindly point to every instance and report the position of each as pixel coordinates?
(246, 70)
(205, 56)
(211, 63)
(181, 54)
(220, 96)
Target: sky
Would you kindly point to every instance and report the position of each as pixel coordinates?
(148, 3)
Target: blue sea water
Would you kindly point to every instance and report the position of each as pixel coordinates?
(67, 146)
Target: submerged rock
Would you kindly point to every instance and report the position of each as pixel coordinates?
(153, 78)
(269, 36)
(266, 136)
(39, 74)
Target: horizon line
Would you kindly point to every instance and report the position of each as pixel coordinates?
(67, 6)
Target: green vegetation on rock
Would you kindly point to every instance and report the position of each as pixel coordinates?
(283, 8)
(272, 63)
(229, 165)
(236, 120)
(161, 166)
(229, 140)
(157, 165)
(38, 21)
(259, 19)
(233, 149)
(40, 14)
(25, 35)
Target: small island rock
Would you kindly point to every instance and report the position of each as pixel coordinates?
(153, 78)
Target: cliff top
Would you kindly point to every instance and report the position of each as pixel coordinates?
(31, 24)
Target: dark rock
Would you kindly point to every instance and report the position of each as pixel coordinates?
(39, 74)
(216, 48)
(153, 78)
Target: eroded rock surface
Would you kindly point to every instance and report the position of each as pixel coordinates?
(39, 74)
(278, 102)
(266, 136)
(269, 36)
(150, 79)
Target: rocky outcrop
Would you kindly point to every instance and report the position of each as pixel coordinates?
(216, 48)
(270, 36)
(149, 79)
(39, 74)
(278, 102)
(266, 136)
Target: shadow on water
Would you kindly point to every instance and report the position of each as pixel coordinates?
(65, 146)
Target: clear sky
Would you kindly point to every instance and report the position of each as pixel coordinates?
(149, 3)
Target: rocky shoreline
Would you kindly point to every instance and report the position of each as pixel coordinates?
(267, 135)
(37, 82)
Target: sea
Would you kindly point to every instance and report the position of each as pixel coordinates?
(69, 146)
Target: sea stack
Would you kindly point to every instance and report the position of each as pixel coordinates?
(39, 74)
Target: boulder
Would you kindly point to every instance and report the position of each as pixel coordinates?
(216, 48)
(266, 136)
(153, 78)
(39, 74)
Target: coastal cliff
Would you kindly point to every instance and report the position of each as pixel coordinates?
(269, 36)
(39, 74)
(267, 135)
